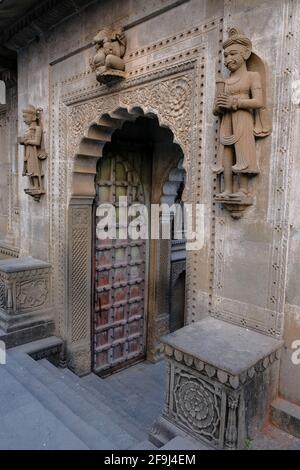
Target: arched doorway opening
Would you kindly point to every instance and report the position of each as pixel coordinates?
(172, 194)
(132, 278)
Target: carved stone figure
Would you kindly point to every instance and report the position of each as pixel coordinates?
(34, 151)
(240, 102)
(108, 62)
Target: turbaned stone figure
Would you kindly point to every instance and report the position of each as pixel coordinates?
(240, 103)
(108, 62)
(34, 151)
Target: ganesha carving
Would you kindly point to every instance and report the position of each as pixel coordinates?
(108, 62)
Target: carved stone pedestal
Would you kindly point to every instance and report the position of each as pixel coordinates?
(236, 206)
(25, 307)
(35, 193)
(106, 76)
(221, 381)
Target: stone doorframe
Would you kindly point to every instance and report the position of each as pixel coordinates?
(80, 243)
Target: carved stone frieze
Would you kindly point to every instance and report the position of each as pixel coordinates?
(208, 371)
(170, 100)
(83, 115)
(25, 288)
(25, 302)
(32, 293)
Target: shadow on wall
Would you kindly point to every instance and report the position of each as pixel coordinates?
(2, 92)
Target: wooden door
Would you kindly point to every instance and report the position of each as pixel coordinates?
(119, 291)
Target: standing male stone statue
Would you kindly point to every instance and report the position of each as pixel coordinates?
(240, 104)
(34, 151)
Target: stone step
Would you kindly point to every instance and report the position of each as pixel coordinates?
(98, 417)
(92, 438)
(125, 398)
(139, 381)
(273, 438)
(125, 402)
(184, 443)
(133, 408)
(96, 399)
(141, 376)
(286, 416)
(26, 424)
(41, 347)
(144, 445)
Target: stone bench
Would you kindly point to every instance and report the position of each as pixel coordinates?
(221, 381)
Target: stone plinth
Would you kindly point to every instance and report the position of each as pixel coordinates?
(221, 381)
(25, 306)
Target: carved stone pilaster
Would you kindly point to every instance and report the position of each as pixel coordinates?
(231, 428)
(79, 315)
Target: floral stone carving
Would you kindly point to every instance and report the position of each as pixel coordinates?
(108, 62)
(197, 404)
(240, 103)
(34, 151)
(32, 293)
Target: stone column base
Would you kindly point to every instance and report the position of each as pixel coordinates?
(221, 381)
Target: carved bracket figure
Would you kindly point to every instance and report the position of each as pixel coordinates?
(108, 62)
(240, 103)
(34, 151)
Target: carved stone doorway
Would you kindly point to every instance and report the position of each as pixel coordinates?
(132, 282)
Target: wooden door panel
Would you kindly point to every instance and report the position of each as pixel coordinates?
(119, 309)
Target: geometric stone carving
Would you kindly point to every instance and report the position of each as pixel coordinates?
(240, 102)
(221, 381)
(79, 325)
(25, 304)
(79, 294)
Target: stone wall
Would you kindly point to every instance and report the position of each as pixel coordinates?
(9, 203)
(247, 270)
(169, 66)
(256, 255)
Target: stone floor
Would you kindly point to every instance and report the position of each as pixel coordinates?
(44, 407)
